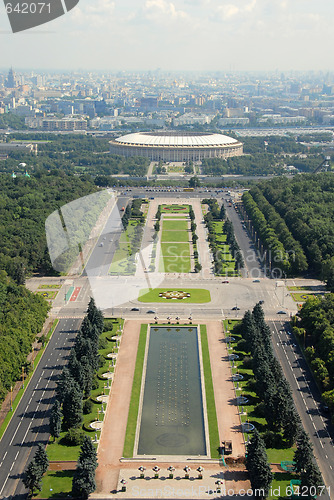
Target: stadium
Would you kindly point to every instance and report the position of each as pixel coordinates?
(175, 146)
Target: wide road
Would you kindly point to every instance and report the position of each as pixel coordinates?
(30, 422)
(307, 400)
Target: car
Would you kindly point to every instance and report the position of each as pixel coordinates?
(261, 301)
(150, 311)
(256, 281)
(225, 281)
(281, 312)
(324, 408)
(135, 309)
(235, 308)
(101, 244)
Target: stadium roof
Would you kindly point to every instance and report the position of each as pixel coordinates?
(174, 139)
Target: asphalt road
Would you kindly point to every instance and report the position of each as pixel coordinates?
(307, 400)
(29, 424)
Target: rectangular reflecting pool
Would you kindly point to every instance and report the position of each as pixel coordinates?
(171, 420)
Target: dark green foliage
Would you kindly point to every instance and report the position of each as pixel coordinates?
(306, 467)
(22, 315)
(74, 437)
(41, 458)
(317, 318)
(72, 406)
(87, 406)
(55, 419)
(84, 477)
(258, 467)
(38, 466)
(32, 479)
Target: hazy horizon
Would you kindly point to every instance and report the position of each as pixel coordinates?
(178, 35)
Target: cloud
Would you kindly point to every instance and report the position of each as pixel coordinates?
(94, 14)
(162, 9)
(228, 11)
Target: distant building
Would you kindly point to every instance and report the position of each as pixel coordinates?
(10, 147)
(51, 124)
(176, 146)
(11, 83)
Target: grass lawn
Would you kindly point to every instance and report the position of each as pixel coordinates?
(300, 287)
(60, 451)
(279, 486)
(57, 484)
(168, 236)
(175, 250)
(175, 225)
(301, 297)
(135, 394)
(174, 209)
(210, 398)
(197, 295)
(175, 264)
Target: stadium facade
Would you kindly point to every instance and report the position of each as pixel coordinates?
(175, 146)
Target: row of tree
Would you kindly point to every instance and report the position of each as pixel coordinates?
(277, 407)
(306, 203)
(297, 258)
(72, 396)
(217, 213)
(276, 253)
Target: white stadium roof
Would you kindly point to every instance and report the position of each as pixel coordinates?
(176, 139)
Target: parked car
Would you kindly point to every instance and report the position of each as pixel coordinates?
(235, 308)
(225, 281)
(281, 312)
(256, 281)
(261, 301)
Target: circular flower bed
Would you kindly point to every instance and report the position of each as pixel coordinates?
(174, 294)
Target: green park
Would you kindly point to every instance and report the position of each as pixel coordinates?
(165, 295)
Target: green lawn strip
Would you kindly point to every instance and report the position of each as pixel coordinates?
(135, 395)
(175, 236)
(174, 265)
(49, 286)
(175, 250)
(197, 295)
(27, 380)
(59, 451)
(57, 484)
(210, 397)
(175, 225)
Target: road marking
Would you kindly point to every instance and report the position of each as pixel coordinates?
(17, 428)
(26, 432)
(4, 484)
(16, 455)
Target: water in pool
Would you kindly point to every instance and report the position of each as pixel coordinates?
(172, 421)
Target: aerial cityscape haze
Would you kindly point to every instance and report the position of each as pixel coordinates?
(166, 249)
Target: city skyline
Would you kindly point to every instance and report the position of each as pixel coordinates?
(178, 35)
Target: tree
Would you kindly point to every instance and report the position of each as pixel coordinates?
(72, 407)
(198, 267)
(41, 458)
(33, 477)
(258, 467)
(55, 420)
(84, 477)
(194, 182)
(303, 455)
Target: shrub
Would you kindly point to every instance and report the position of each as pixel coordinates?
(74, 437)
(87, 406)
(95, 383)
(103, 343)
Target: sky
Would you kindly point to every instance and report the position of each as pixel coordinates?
(205, 35)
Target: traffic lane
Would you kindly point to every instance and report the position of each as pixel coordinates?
(29, 424)
(306, 397)
(250, 253)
